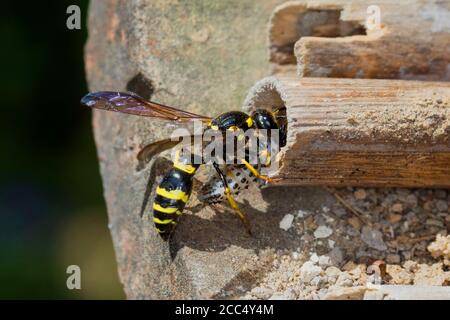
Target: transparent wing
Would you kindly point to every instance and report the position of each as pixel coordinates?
(133, 104)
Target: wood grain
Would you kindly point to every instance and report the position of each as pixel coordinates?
(358, 132)
(330, 38)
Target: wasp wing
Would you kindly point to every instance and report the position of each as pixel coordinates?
(151, 150)
(133, 104)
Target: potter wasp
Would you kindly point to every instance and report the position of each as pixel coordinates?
(174, 190)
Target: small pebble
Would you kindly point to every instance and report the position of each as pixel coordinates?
(279, 296)
(336, 255)
(344, 280)
(393, 258)
(360, 194)
(324, 261)
(373, 238)
(411, 200)
(302, 214)
(394, 218)
(262, 293)
(322, 232)
(442, 205)
(339, 211)
(333, 272)
(315, 281)
(428, 205)
(309, 271)
(314, 258)
(373, 295)
(397, 207)
(286, 222)
(354, 222)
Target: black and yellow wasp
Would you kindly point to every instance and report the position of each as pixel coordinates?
(174, 190)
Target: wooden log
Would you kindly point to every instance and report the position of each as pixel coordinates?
(331, 38)
(358, 132)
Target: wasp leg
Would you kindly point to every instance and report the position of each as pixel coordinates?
(255, 172)
(242, 216)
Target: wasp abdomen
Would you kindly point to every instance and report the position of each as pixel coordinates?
(172, 194)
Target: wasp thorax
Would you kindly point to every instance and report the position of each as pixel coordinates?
(233, 120)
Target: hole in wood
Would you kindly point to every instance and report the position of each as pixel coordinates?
(265, 95)
(291, 22)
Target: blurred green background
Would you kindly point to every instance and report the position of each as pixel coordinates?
(52, 212)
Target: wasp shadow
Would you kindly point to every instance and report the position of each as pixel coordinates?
(223, 229)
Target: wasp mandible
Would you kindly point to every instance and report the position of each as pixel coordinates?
(174, 190)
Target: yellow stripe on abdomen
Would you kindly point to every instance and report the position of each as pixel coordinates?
(157, 207)
(166, 221)
(185, 167)
(173, 194)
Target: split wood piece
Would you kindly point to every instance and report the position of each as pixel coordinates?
(358, 132)
(333, 39)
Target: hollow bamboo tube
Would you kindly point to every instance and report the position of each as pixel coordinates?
(359, 132)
